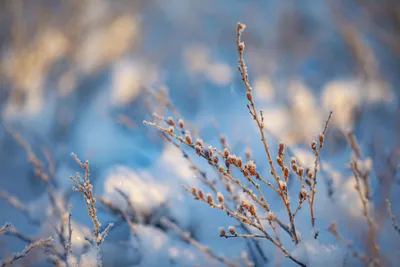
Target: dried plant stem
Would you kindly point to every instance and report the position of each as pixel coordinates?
(392, 218)
(259, 120)
(24, 253)
(316, 167)
(333, 229)
(86, 188)
(366, 214)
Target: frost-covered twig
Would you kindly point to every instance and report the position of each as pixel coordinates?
(333, 230)
(86, 188)
(317, 151)
(24, 253)
(365, 207)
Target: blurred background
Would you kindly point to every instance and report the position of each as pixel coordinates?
(77, 76)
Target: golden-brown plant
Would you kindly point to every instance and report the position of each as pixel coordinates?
(252, 211)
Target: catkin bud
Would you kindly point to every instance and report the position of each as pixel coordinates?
(194, 191)
(321, 140)
(279, 161)
(210, 152)
(181, 123)
(222, 232)
(170, 129)
(215, 159)
(252, 210)
(281, 149)
(245, 205)
(239, 162)
(188, 138)
(221, 169)
(282, 185)
(251, 167)
(198, 149)
(201, 194)
(270, 216)
(314, 145)
(241, 27)
(171, 121)
(220, 197)
(249, 96)
(226, 152)
(300, 172)
(286, 173)
(210, 199)
(232, 230)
